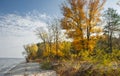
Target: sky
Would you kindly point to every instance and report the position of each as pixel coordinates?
(20, 18)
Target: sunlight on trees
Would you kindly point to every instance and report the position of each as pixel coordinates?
(80, 40)
(31, 51)
(80, 18)
(51, 37)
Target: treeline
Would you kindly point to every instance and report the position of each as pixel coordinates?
(83, 32)
(37, 51)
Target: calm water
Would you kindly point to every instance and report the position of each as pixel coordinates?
(6, 63)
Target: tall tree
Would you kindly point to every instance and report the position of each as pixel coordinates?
(52, 35)
(80, 20)
(56, 30)
(112, 25)
(43, 35)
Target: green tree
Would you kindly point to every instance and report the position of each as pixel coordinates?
(112, 20)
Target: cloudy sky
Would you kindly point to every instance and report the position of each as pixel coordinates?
(19, 18)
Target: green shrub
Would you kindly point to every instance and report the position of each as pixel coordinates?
(46, 65)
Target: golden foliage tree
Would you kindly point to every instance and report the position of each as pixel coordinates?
(51, 37)
(31, 51)
(80, 21)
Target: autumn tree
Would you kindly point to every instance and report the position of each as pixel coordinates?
(51, 37)
(56, 30)
(31, 51)
(112, 20)
(80, 21)
(42, 34)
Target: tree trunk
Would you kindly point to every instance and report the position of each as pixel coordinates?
(110, 43)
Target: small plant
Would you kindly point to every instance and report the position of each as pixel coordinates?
(46, 65)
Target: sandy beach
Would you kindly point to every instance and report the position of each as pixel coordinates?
(27, 69)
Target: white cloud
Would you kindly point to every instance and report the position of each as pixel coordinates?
(112, 4)
(17, 30)
(26, 22)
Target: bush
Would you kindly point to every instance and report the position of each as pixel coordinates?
(46, 65)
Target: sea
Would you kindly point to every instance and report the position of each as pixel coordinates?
(7, 63)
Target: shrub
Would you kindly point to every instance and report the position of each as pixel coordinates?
(46, 65)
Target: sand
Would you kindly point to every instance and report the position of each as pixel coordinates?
(27, 69)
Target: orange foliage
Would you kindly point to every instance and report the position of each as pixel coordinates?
(80, 19)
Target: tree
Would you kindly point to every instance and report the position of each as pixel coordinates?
(118, 3)
(31, 51)
(112, 25)
(56, 30)
(80, 21)
(43, 35)
(51, 37)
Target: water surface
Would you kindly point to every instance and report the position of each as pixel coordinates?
(6, 63)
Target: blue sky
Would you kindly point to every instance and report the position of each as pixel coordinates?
(50, 7)
(16, 14)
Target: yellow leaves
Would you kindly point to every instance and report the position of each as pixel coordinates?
(60, 53)
(45, 53)
(96, 29)
(85, 54)
(68, 12)
(77, 44)
(31, 50)
(34, 48)
(91, 45)
(73, 55)
(83, 19)
(53, 52)
(63, 49)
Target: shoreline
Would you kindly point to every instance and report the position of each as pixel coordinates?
(27, 69)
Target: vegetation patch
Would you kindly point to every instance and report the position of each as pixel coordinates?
(78, 44)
